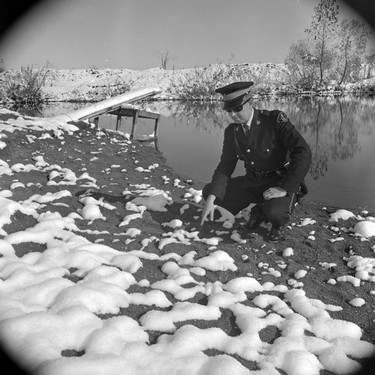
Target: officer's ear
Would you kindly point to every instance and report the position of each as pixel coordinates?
(246, 100)
(247, 105)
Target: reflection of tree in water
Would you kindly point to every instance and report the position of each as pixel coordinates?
(205, 115)
(331, 126)
(319, 164)
(336, 137)
(347, 134)
(33, 112)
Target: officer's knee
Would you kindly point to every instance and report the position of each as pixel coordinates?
(277, 215)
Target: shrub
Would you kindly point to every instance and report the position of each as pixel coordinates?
(23, 88)
(201, 83)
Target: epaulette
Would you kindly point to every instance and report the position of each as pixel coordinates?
(264, 112)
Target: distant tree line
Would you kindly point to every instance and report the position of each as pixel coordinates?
(333, 51)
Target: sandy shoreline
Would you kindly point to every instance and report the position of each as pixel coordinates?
(113, 170)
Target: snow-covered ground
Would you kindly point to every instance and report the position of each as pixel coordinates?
(44, 313)
(87, 84)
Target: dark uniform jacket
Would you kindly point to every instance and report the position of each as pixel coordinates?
(272, 142)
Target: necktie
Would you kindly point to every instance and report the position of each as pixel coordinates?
(246, 129)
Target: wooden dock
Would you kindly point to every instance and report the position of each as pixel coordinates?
(119, 106)
(135, 114)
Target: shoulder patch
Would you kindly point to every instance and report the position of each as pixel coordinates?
(281, 118)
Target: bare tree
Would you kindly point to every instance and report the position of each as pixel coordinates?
(322, 34)
(370, 65)
(353, 37)
(164, 58)
(301, 64)
(2, 65)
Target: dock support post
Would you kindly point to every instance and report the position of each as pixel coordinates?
(135, 119)
(96, 122)
(118, 122)
(156, 127)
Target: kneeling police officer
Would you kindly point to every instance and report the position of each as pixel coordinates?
(276, 156)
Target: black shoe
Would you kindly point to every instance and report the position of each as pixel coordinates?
(277, 233)
(256, 218)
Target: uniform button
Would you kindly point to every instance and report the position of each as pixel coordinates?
(252, 163)
(248, 150)
(268, 150)
(258, 122)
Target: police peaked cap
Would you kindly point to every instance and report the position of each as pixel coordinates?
(235, 93)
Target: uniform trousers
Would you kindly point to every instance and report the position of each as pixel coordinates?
(239, 195)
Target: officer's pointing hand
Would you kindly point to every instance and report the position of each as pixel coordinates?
(209, 209)
(274, 192)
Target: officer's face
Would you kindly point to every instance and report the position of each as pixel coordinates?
(243, 115)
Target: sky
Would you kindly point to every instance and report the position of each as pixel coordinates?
(135, 34)
(65, 294)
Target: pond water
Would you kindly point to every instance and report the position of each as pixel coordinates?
(340, 132)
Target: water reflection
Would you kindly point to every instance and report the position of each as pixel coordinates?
(338, 130)
(50, 109)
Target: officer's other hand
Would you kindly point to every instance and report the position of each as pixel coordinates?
(274, 192)
(209, 209)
